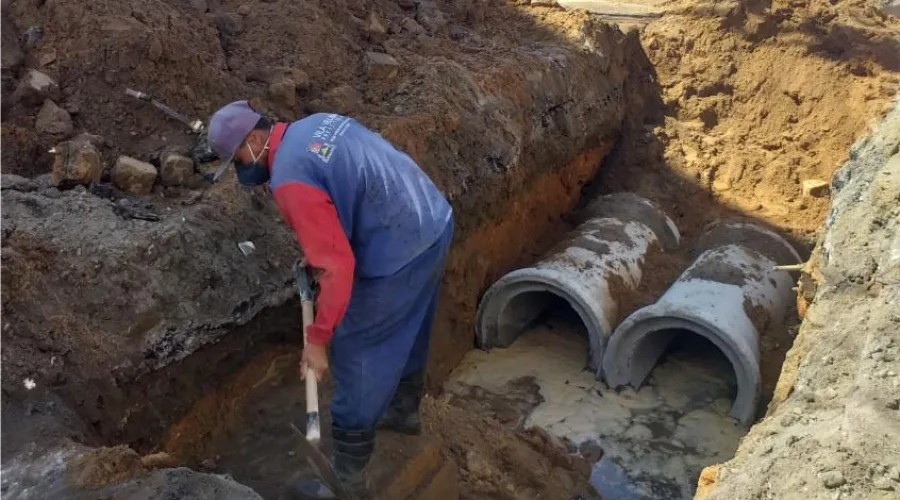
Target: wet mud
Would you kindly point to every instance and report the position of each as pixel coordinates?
(655, 441)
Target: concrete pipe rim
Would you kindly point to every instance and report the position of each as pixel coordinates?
(636, 329)
(785, 253)
(535, 279)
(649, 213)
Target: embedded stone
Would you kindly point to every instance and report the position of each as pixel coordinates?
(133, 176)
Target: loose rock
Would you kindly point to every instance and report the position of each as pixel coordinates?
(344, 99)
(48, 58)
(894, 474)
(883, 483)
(133, 176)
(410, 25)
(381, 66)
(375, 25)
(32, 36)
(283, 92)
(154, 50)
(54, 121)
(175, 169)
(35, 88)
(833, 479)
(11, 52)
(297, 77)
(75, 162)
(430, 17)
(816, 188)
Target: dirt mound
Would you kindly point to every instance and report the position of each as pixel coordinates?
(759, 97)
(744, 101)
(498, 462)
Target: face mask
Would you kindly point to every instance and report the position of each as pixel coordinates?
(253, 174)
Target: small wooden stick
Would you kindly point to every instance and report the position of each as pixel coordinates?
(790, 267)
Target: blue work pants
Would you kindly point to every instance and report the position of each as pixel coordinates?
(384, 336)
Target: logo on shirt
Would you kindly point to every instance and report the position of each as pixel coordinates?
(321, 149)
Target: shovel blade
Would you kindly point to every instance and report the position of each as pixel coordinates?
(320, 464)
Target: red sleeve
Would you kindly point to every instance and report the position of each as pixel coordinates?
(310, 212)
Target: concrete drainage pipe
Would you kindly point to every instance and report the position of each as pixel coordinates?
(729, 295)
(619, 231)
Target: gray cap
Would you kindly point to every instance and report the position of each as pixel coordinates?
(228, 128)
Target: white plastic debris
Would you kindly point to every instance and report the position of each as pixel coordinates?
(247, 247)
(29, 384)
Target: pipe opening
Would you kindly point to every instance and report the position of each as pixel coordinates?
(712, 374)
(526, 310)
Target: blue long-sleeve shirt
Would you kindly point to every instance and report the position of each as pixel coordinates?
(358, 205)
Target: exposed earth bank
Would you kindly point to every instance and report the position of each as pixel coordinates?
(832, 428)
(124, 305)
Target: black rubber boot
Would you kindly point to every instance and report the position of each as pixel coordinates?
(352, 451)
(403, 413)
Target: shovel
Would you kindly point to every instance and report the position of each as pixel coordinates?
(309, 443)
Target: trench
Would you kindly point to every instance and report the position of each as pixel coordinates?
(227, 407)
(607, 327)
(665, 386)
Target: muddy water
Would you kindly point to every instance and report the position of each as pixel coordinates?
(655, 440)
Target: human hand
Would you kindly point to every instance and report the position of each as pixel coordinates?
(314, 357)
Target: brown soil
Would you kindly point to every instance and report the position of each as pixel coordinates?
(758, 97)
(510, 109)
(483, 99)
(497, 462)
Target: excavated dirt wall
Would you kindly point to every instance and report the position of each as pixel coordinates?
(114, 325)
(500, 123)
(831, 429)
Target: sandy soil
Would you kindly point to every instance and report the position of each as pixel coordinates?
(833, 428)
(758, 97)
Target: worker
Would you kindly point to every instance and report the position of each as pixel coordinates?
(376, 231)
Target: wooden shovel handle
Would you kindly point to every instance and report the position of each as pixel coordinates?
(313, 426)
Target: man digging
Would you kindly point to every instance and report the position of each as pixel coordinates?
(377, 231)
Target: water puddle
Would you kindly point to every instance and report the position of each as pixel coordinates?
(655, 440)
